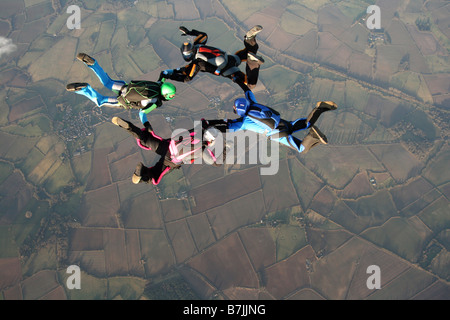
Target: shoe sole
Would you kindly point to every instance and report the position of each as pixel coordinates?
(83, 57)
(137, 174)
(320, 135)
(253, 31)
(135, 179)
(120, 122)
(76, 86)
(330, 105)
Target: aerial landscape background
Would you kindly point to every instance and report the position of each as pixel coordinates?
(377, 194)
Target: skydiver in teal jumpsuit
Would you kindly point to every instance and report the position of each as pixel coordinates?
(264, 120)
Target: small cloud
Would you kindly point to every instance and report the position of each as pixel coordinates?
(6, 46)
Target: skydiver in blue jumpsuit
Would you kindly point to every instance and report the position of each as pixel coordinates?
(264, 120)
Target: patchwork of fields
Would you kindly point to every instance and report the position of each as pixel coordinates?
(377, 194)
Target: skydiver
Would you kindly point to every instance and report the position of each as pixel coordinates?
(215, 61)
(264, 120)
(173, 152)
(137, 94)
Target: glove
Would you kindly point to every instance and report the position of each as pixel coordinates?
(165, 74)
(184, 30)
(205, 124)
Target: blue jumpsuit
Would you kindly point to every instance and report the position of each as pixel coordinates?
(273, 126)
(110, 84)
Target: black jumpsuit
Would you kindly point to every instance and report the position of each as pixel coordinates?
(188, 72)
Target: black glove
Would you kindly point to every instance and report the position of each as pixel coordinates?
(205, 124)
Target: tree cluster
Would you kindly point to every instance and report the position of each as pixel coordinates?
(172, 289)
(53, 228)
(423, 24)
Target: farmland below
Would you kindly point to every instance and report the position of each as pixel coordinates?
(377, 194)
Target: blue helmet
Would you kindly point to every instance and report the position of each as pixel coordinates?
(241, 105)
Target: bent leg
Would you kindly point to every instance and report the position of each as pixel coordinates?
(321, 107)
(154, 142)
(290, 141)
(95, 97)
(252, 67)
(248, 54)
(105, 79)
(154, 174)
(250, 44)
(146, 139)
(282, 134)
(299, 124)
(314, 138)
(252, 73)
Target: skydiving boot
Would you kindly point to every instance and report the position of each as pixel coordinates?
(76, 86)
(131, 128)
(314, 138)
(140, 174)
(251, 34)
(83, 57)
(253, 58)
(321, 107)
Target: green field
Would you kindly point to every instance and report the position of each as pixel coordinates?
(279, 79)
(92, 288)
(398, 236)
(288, 239)
(243, 11)
(126, 288)
(436, 215)
(305, 182)
(378, 207)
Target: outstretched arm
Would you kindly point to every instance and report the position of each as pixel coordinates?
(241, 84)
(248, 93)
(144, 120)
(164, 75)
(183, 74)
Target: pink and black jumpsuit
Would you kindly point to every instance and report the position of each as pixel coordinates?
(173, 152)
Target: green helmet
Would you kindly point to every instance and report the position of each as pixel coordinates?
(168, 91)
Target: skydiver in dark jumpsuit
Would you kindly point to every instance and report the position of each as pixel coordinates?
(216, 61)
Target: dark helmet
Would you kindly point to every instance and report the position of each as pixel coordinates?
(187, 50)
